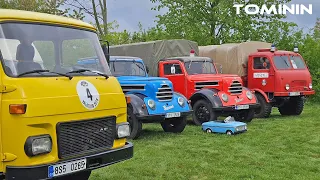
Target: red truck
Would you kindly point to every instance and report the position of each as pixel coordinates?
(211, 94)
(279, 78)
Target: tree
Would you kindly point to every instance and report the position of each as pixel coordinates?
(96, 9)
(216, 21)
(44, 6)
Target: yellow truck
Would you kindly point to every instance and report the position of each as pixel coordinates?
(57, 119)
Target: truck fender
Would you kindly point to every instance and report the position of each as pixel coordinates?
(136, 103)
(263, 94)
(207, 94)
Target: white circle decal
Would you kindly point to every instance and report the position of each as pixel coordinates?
(88, 94)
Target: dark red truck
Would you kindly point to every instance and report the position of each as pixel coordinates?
(279, 78)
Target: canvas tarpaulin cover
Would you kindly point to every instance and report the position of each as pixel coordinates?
(232, 56)
(152, 52)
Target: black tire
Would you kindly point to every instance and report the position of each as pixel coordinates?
(294, 106)
(135, 124)
(203, 112)
(84, 175)
(174, 125)
(265, 108)
(245, 116)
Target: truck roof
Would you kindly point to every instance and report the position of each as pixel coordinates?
(124, 57)
(277, 52)
(11, 15)
(188, 59)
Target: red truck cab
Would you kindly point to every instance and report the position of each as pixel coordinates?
(211, 94)
(280, 78)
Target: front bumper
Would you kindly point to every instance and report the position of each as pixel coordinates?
(93, 162)
(159, 117)
(232, 108)
(302, 93)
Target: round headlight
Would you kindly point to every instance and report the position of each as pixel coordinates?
(249, 95)
(287, 87)
(224, 97)
(151, 104)
(310, 85)
(181, 101)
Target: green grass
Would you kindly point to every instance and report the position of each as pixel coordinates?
(274, 148)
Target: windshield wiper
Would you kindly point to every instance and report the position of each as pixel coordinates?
(87, 70)
(44, 70)
(33, 71)
(285, 61)
(135, 63)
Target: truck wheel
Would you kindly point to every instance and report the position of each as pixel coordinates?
(265, 108)
(135, 124)
(84, 175)
(203, 112)
(294, 106)
(175, 125)
(245, 116)
(297, 105)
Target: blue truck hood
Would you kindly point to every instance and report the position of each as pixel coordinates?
(148, 86)
(139, 78)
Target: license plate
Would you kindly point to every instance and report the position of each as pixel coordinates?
(172, 115)
(294, 93)
(239, 107)
(67, 168)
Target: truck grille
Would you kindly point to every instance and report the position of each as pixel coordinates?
(164, 93)
(82, 137)
(133, 87)
(200, 85)
(235, 88)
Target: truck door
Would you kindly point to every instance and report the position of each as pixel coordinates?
(174, 71)
(262, 74)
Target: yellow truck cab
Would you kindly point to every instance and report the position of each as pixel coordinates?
(57, 120)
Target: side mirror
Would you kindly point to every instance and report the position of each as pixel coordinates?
(105, 49)
(147, 69)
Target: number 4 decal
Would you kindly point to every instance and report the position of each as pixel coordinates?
(89, 94)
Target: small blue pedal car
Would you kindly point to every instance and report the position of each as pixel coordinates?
(228, 126)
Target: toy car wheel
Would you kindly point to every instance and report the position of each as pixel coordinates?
(265, 108)
(135, 124)
(203, 112)
(229, 133)
(175, 125)
(209, 131)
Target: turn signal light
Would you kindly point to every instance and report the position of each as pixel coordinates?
(17, 108)
(128, 99)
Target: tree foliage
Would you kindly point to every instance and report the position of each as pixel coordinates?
(44, 6)
(216, 21)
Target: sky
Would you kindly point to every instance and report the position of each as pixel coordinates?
(128, 13)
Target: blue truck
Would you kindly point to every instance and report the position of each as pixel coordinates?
(152, 99)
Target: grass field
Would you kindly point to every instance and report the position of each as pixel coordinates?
(274, 148)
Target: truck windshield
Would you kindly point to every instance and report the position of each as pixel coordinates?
(45, 50)
(282, 62)
(200, 67)
(297, 62)
(127, 68)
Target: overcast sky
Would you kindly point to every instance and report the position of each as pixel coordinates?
(128, 13)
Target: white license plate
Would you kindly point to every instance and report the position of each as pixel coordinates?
(239, 107)
(172, 115)
(294, 93)
(67, 168)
